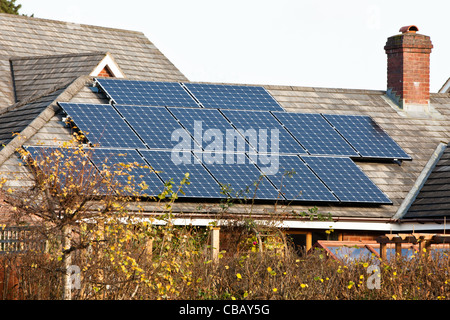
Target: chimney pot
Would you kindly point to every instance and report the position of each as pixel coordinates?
(409, 29)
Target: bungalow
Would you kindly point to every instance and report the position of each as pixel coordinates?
(50, 68)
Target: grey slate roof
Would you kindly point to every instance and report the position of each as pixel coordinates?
(433, 199)
(16, 120)
(30, 37)
(33, 75)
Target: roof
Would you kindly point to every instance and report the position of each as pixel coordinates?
(418, 134)
(433, 200)
(36, 74)
(133, 51)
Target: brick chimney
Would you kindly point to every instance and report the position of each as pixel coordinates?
(408, 69)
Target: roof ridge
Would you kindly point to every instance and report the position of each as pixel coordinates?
(325, 89)
(62, 55)
(13, 16)
(296, 88)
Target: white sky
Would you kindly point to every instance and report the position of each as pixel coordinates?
(326, 43)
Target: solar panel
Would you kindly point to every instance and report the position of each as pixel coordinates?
(263, 132)
(146, 93)
(242, 180)
(297, 182)
(71, 165)
(156, 126)
(315, 134)
(366, 136)
(233, 97)
(129, 170)
(211, 130)
(172, 165)
(102, 125)
(346, 180)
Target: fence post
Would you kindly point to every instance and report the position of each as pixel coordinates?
(215, 243)
(383, 251)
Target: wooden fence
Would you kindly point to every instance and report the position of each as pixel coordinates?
(20, 239)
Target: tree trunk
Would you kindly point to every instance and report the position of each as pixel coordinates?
(67, 262)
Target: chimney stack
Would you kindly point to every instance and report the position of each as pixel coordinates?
(408, 69)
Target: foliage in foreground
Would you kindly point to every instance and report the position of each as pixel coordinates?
(96, 248)
(180, 268)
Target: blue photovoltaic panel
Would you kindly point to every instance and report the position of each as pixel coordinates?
(264, 132)
(295, 180)
(174, 165)
(155, 126)
(211, 130)
(243, 180)
(103, 126)
(367, 137)
(146, 93)
(80, 171)
(346, 180)
(315, 134)
(233, 97)
(131, 182)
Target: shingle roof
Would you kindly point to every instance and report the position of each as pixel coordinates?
(37, 74)
(433, 199)
(136, 55)
(19, 118)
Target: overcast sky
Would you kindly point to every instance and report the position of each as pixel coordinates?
(324, 43)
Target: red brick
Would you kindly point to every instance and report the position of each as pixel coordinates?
(409, 62)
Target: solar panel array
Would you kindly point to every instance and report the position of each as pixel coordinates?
(102, 125)
(146, 93)
(347, 181)
(207, 127)
(173, 94)
(236, 136)
(154, 126)
(296, 181)
(130, 172)
(80, 173)
(232, 97)
(263, 132)
(170, 165)
(315, 134)
(366, 136)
